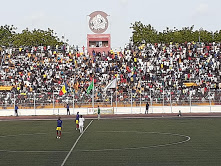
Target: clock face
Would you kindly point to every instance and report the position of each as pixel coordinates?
(98, 22)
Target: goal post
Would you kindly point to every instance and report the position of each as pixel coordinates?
(104, 110)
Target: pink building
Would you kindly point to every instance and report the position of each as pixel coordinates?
(98, 43)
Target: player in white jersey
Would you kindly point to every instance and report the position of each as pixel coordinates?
(81, 124)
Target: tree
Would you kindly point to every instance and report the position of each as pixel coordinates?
(36, 38)
(142, 34)
(6, 35)
(217, 36)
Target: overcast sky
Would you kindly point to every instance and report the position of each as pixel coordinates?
(69, 17)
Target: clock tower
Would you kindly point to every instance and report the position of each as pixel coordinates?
(98, 41)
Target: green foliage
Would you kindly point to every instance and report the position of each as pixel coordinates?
(36, 37)
(6, 35)
(217, 36)
(143, 34)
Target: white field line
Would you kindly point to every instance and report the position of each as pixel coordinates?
(126, 117)
(40, 151)
(3, 136)
(75, 144)
(144, 147)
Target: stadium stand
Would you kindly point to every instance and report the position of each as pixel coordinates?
(176, 70)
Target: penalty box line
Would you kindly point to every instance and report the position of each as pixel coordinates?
(69, 153)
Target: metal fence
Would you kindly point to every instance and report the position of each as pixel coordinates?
(109, 99)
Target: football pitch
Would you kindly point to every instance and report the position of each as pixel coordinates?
(112, 142)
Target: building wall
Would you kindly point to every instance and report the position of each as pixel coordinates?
(99, 37)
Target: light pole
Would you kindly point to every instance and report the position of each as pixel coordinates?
(199, 33)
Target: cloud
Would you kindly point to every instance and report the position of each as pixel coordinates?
(199, 14)
(203, 8)
(123, 2)
(34, 20)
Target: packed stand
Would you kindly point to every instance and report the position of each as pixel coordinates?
(150, 71)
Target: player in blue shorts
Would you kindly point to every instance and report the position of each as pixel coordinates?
(77, 121)
(59, 127)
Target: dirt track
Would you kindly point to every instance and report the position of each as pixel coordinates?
(170, 115)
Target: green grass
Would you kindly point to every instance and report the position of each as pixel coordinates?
(113, 142)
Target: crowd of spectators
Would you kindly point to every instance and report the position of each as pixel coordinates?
(153, 71)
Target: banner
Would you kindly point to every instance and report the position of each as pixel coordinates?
(112, 84)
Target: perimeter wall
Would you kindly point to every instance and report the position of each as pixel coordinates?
(118, 110)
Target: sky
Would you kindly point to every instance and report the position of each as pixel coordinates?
(69, 18)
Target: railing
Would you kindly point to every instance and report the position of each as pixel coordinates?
(42, 101)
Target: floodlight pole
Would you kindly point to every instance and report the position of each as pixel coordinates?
(199, 33)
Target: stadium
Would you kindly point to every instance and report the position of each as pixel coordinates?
(158, 98)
